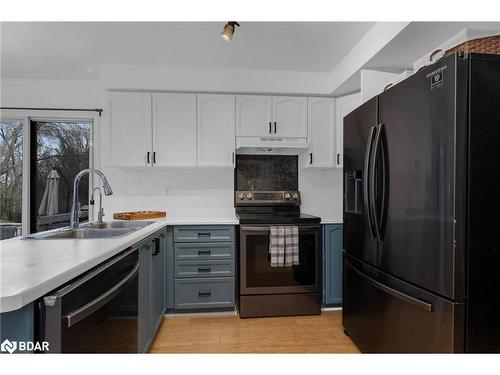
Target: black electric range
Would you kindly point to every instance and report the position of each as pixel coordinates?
(267, 290)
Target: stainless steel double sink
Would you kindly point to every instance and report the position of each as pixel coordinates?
(107, 229)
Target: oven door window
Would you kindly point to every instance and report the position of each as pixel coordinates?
(257, 262)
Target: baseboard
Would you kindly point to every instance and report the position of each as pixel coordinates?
(331, 309)
(225, 313)
(200, 314)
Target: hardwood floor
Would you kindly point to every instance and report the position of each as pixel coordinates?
(230, 334)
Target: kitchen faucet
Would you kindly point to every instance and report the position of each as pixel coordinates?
(75, 208)
(100, 213)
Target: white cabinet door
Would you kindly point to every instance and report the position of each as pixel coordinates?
(253, 115)
(130, 129)
(174, 130)
(290, 116)
(216, 123)
(321, 122)
(344, 106)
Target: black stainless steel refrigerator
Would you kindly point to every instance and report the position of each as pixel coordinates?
(422, 212)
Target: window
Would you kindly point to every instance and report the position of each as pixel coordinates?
(11, 177)
(59, 150)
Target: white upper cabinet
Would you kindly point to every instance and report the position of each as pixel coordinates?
(271, 116)
(344, 106)
(174, 130)
(289, 116)
(130, 129)
(321, 119)
(253, 115)
(216, 134)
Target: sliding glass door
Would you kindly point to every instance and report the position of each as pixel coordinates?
(11, 177)
(59, 150)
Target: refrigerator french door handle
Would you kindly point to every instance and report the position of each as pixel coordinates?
(372, 193)
(393, 292)
(366, 181)
(385, 182)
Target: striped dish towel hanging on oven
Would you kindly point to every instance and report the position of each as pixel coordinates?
(277, 246)
(291, 246)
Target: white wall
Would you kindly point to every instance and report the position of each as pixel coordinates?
(321, 192)
(50, 93)
(373, 82)
(213, 80)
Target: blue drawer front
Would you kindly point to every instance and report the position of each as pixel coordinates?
(204, 251)
(204, 293)
(204, 268)
(205, 233)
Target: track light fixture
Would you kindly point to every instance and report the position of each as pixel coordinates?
(228, 32)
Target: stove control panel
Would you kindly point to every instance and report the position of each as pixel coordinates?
(248, 198)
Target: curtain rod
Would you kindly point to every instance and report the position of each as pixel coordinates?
(99, 110)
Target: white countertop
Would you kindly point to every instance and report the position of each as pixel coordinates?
(30, 269)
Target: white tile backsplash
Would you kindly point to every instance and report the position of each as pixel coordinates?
(209, 192)
(322, 193)
(179, 190)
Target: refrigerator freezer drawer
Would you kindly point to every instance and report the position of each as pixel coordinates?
(385, 315)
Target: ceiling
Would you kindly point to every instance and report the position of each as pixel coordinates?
(418, 39)
(415, 41)
(67, 50)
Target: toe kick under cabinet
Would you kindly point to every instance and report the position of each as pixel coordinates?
(201, 268)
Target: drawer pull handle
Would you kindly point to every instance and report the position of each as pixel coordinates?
(203, 234)
(207, 293)
(204, 269)
(204, 252)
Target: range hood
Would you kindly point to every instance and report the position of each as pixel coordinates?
(270, 145)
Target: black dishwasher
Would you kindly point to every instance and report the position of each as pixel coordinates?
(96, 313)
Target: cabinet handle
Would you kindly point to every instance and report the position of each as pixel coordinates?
(275, 127)
(154, 157)
(310, 158)
(207, 293)
(157, 246)
(270, 127)
(204, 235)
(204, 252)
(204, 269)
(233, 157)
(147, 157)
(338, 159)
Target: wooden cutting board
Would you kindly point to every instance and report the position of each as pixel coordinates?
(139, 215)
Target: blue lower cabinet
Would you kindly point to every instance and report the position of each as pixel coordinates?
(204, 293)
(15, 326)
(152, 285)
(201, 268)
(332, 265)
(170, 268)
(204, 268)
(204, 233)
(144, 334)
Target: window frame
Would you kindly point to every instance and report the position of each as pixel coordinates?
(26, 116)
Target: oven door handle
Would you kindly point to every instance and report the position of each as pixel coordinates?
(87, 309)
(268, 228)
